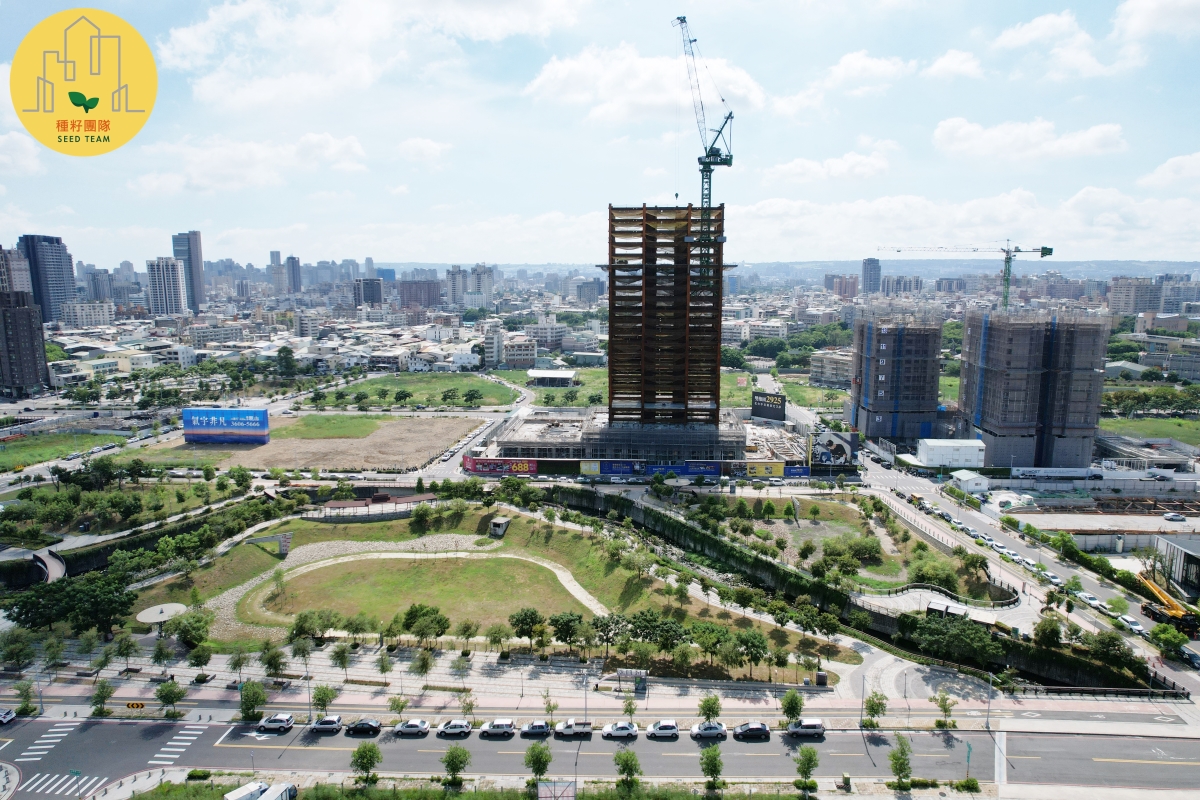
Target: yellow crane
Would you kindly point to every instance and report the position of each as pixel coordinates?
(1008, 250)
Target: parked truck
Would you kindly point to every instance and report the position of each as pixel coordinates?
(280, 791)
(251, 791)
(573, 727)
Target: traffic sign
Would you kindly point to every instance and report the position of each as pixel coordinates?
(135, 705)
(76, 773)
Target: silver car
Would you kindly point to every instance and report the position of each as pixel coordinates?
(498, 727)
(539, 727)
(455, 727)
(278, 722)
(619, 730)
(708, 730)
(330, 724)
(663, 729)
(412, 727)
(806, 727)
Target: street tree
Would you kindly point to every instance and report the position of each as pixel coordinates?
(792, 705)
(199, 657)
(628, 767)
(168, 694)
(126, 647)
(498, 634)
(253, 696)
(455, 760)
(945, 704)
(363, 761)
(875, 705)
(711, 765)
(239, 659)
(272, 658)
(162, 654)
(383, 663)
(537, 759)
(422, 663)
(340, 657)
(52, 653)
(524, 621)
(629, 705)
(322, 696)
(807, 762)
(550, 705)
(102, 692)
(398, 704)
(710, 707)
(900, 758)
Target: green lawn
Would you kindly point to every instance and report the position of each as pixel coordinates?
(948, 389)
(732, 395)
(798, 391)
(331, 426)
(484, 590)
(427, 388)
(177, 454)
(593, 381)
(1185, 430)
(234, 568)
(49, 446)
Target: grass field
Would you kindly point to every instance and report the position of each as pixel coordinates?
(1185, 430)
(427, 388)
(50, 446)
(234, 568)
(176, 454)
(484, 590)
(948, 389)
(593, 381)
(331, 426)
(732, 395)
(798, 391)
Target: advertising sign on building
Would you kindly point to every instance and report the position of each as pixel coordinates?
(609, 467)
(768, 406)
(833, 449)
(226, 426)
(500, 466)
(765, 469)
(689, 469)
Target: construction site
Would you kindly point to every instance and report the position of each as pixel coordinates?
(894, 391)
(1031, 385)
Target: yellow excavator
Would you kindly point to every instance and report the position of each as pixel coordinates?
(1168, 609)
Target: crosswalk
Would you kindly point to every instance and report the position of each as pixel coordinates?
(57, 783)
(178, 745)
(47, 742)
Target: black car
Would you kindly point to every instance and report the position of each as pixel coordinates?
(368, 727)
(752, 730)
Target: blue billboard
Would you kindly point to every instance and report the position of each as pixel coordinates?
(226, 426)
(689, 469)
(795, 472)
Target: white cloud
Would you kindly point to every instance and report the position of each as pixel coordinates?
(619, 84)
(953, 64)
(399, 189)
(417, 149)
(1019, 141)
(1094, 223)
(220, 164)
(852, 165)
(255, 52)
(654, 172)
(19, 154)
(856, 74)
(8, 114)
(1071, 49)
(1136, 19)
(1180, 169)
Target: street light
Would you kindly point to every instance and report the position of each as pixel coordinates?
(987, 724)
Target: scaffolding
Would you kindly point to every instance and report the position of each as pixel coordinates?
(664, 334)
(894, 389)
(1031, 385)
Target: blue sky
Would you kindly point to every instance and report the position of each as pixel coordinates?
(499, 131)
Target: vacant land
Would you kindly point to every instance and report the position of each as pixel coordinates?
(50, 446)
(592, 381)
(330, 426)
(427, 389)
(948, 389)
(484, 590)
(798, 391)
(1185, 430)
(732, 395)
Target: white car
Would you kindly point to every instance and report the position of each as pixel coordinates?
(988, 540)
(1054, 579)
(455, 727)
(330, 724)
(1090, 599)
(1172, 516)
(1132, 624)
(412, 727)
(7, 715)
(999, 548)
(498, 727)
(278, 722)
(619, 730)
(663, 729)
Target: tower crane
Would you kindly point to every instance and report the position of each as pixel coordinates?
(1008, 250)
(713, 155)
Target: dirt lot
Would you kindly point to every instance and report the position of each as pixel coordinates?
(404, 442)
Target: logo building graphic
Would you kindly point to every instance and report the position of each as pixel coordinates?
(83, 82)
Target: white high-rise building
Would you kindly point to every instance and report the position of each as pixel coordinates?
(14, 272)
(168, 289)
(458, 283)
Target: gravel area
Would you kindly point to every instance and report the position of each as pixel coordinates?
(226, 624)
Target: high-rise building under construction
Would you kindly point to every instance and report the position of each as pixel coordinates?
(894, 391)
(1031, 385)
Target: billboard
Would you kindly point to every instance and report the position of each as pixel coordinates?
(226, 426)
(500, 466)
(689, 469)
(795, 472)
(609, 467)
(833, 449)
(768, 406)
(765, 469)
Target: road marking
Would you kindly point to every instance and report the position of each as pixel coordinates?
(1001, 763)
(1148, 761)
(26, 759)
(846, 754)
(305, 747)
(1028, 757)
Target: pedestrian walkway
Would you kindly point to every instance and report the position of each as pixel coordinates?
(51, 739)
(177, 746)
(70, 785)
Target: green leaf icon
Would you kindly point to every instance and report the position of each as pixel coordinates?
(80, 100)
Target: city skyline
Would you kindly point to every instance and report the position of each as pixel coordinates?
(376, 130)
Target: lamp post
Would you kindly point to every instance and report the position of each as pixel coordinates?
(987, 724)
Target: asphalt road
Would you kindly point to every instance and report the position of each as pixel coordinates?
(46, 752)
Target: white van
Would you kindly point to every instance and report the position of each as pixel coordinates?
(251, 791)
(280, 791)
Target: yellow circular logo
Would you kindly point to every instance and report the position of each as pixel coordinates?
(83, 82)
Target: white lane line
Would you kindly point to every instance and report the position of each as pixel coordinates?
(35, 780)
(68, 785)
(162, 763)
(173, 749)
(26, 759)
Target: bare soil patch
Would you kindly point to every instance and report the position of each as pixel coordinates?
(397, 444)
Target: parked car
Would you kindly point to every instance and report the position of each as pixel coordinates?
(752, 730)
(1132, 624)
(539, 727)
(412, 727)
(1090, 599)
(454, 727)
(277, 722)
(999, 548)
(663, 729)
(806, 727)
(7, 715)
(365, 727)
(619, 730)
(498, 727)
(708, 730)
(573, 727)
(1172, 516)
(330, 724)
(956, 521)
(1054, 579)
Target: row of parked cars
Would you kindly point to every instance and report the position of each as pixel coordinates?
(662, 729)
